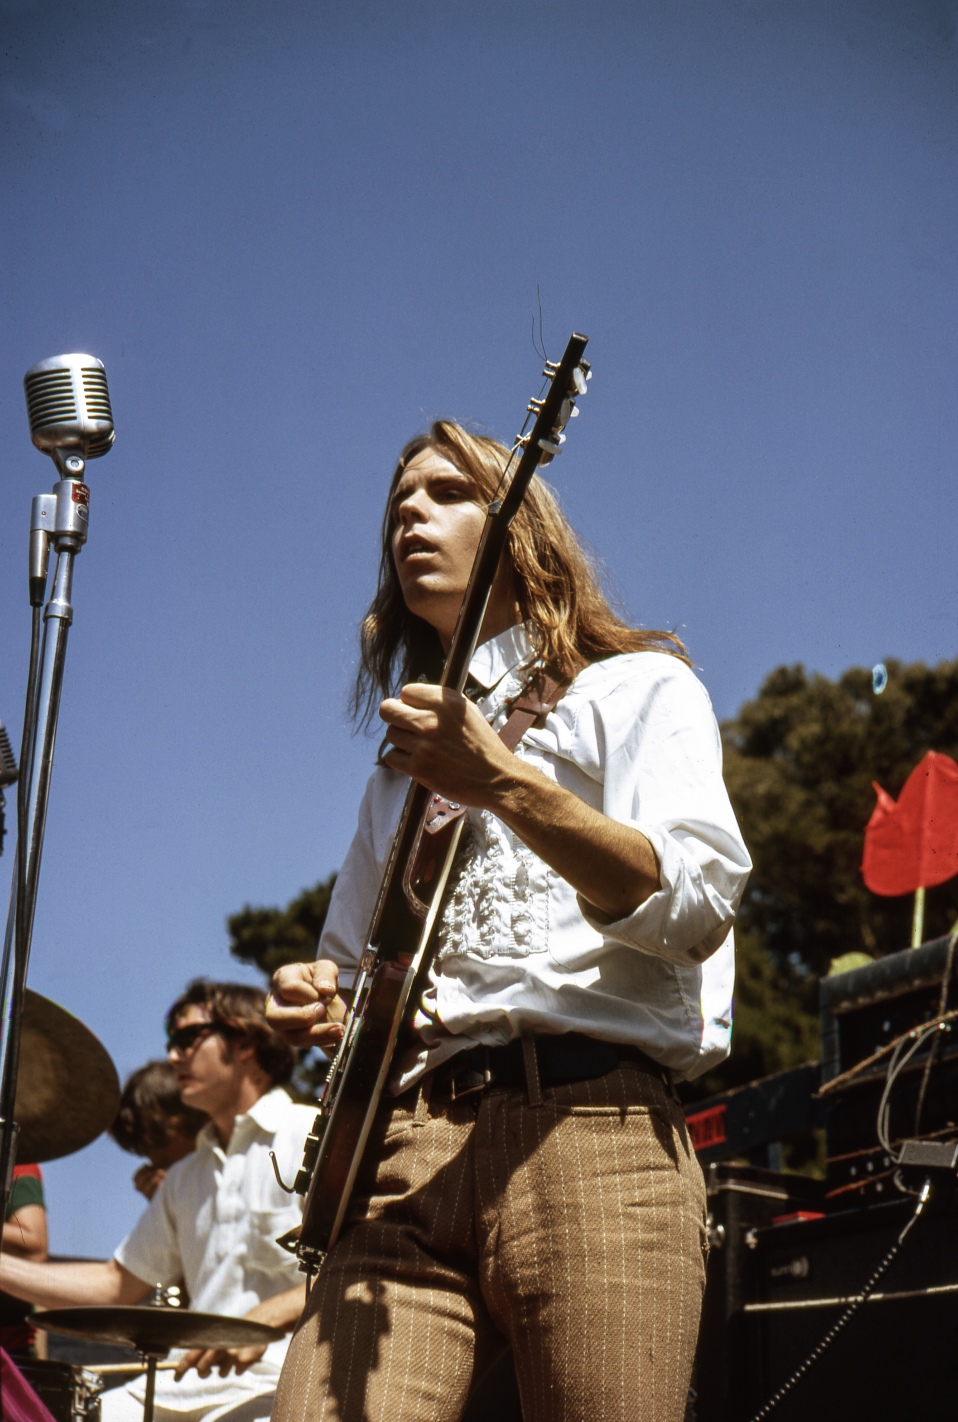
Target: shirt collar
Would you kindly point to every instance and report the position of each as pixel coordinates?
(267, 1113)
(269, 1110)
(500, 655)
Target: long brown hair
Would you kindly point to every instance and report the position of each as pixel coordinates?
(570, 621)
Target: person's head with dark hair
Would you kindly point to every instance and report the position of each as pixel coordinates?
(152, 1120)
(223, 1051)
(237, 1013)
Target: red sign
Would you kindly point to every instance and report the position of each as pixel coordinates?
(707, 1128)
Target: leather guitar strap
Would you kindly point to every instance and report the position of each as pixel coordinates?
(539, 695)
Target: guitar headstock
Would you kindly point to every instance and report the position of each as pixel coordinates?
(554, 411)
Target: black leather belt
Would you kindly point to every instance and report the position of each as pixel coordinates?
(561, 1059)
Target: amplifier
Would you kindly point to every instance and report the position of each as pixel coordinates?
(862, 1012)
(893, 1358)
(741, 1198)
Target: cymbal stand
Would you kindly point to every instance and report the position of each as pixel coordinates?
(59, 518)
(150, 1359)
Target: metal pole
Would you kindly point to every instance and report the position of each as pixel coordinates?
(918, 918)
(69, 535)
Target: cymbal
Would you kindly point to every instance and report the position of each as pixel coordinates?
(67, 1087)
(154, 1330)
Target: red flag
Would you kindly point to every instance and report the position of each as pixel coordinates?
(914, 844)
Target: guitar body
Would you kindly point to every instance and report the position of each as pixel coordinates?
(342, 1134)
(400, 943)
(359, 1074)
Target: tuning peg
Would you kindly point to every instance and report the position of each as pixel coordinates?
(566, 410)
(553, 446)
(580, 377)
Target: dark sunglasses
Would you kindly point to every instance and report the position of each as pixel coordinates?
(184, 1039)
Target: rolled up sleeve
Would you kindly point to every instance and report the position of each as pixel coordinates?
(655, 748)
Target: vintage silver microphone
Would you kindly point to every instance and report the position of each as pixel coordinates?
(68, 404)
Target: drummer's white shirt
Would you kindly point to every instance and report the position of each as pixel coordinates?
(519, 951)
(214, 1223)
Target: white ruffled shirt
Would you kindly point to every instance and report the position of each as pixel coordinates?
(519, 951)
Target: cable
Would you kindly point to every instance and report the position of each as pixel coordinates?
(942, 1006)
(897, 1062)
(849, 1313)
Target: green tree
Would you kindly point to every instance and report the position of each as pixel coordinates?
(799, 764)
(271, 937)
(776, 1022)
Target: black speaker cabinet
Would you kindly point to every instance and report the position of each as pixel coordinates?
(893, 1359)
(741, 1198)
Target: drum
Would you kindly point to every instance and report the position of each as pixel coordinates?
(70, 1394)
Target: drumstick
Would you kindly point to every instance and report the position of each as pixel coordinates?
(124, 1367)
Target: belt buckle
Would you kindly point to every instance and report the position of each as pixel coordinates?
(478, 1078)
(479, 1083)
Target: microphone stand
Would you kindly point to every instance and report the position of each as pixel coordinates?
(60, 518)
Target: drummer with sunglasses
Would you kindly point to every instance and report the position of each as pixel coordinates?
(215, 1219)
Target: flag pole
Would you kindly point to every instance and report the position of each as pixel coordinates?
(918, 919)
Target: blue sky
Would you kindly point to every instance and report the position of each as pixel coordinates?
(294, 233)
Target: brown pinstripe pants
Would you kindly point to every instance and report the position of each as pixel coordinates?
(574, 1230)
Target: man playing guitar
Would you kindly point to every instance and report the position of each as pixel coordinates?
(528, 1180)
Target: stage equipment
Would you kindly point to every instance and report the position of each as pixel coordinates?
(753, 1120)
(68, 1090)
(154, 1331)
(71, 1394)
(782, 1277)
(68, 405)
(864, 1013)
(741, 1198)
(892, 1357)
